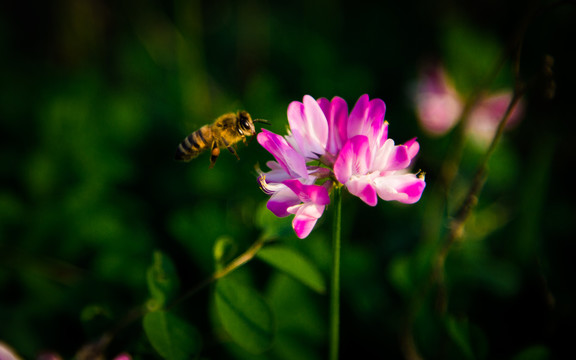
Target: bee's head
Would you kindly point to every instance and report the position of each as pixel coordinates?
(245, 124)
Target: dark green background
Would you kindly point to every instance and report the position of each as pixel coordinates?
(96, 95)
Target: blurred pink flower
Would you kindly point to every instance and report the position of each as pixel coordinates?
(439, 106)
(7, 353)
(328, 145)
(123, 356)
(485, 116)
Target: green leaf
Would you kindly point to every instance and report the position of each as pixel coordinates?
(162, 281)
(245, 315)
(171, 337)
(295, 265)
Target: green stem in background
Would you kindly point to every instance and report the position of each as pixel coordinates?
(335, 288)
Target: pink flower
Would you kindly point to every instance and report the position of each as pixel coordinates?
(369, 171)
(438, 103)
(370, 165)
(328, 145)
(291, 186)
(486, 115)
(439, 106)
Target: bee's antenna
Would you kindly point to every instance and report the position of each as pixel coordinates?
(264, 121)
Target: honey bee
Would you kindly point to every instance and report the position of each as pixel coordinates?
(225, 132)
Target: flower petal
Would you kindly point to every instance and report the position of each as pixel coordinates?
(280, 202)
(354, 158)
(358, 115)
(337, 116)
(308, 126)
(364, 189)
(399, 159)
(375, 118)
(305, 219)
(292, 162)
(405, 188)
(413, 148)
(308, 193)
(367, 118)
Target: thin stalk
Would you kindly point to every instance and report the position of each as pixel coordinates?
(242, 259)
(335, 288)
(100, 345)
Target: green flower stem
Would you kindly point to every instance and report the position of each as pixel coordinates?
(335, 288)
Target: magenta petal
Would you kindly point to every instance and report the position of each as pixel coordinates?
(376, 111)
(281, 201)
(399, 158)
(364, 190)
(357, 118)
(308, 193)
(406, 188)
(337, 117)
(292, 162)
(324, 105)
(413, 148)
(303, 225)
(354, 158)
(305, 218)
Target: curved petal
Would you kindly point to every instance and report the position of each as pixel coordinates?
(282, 200)
(406, 188)
(292, 162)
(308, 193)
(413, 148)
(305, 218)
(337, 117)
(367, 118)
(324, 105)
(309, 127)
(382, 155)
(398, 159)
(364, 189)
(277, 174)
(354, 159)
(375, 117)
(379, 133)
(357, 118)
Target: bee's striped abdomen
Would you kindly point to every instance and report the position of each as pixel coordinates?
(194, 144)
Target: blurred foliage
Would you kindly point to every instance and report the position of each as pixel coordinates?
(97, 220)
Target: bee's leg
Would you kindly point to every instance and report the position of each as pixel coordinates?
(214, 154)
(230, 148)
